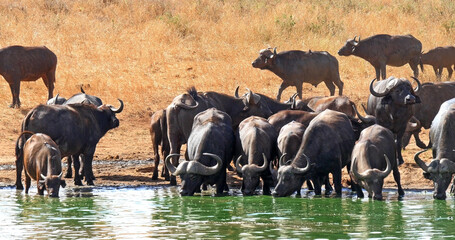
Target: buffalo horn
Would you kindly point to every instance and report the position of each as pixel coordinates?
(236, 93)
(238, 167)
(388, 169)
(376, 94)
(181, 168)
(419, 161)
(188, 107)
(298, 170)
(253, 98)
(262, 168)
(201, 169)
(118, 110)
(418, 84)
(363, 119)
(60, 175)
(282, 160)
(42, 176)
(274, 51)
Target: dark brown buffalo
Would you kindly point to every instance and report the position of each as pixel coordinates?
(256, 140)
(279, 119)
(432, 96)
(18, 63)
(42, 163)
(318, 104)
(381, 50)
(210, 148)
(76, 128)
(326, 148)
(391, 101)
(442, 137)
(296, 67)
(439, 58)
(181, 112)
(371, 163)
(158, 134)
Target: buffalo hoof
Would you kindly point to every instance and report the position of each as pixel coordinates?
(14, 106)
(69, 175)
(78, 182)
(154, 177)
(90, 182)
(19, 187)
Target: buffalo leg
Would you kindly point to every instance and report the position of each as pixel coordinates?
(436, 72)
(88, 169)
(419, 142)
(175, 162)
(15, 90)
(49, 81)
(157, 161)
(77, 177)
(317, 185)
(40, 187)
(398, 149)
(283, 86)
(309, 185)
(337, 182)
(28, 182)
(358, 190)
(378, 72)
(340, 85)
(69, 170)
(19, 167)
(328, 187)
(331, 87)
(449, 69)
(383, 71)
(267, 183)
(396, 176)
(452, 189)
(414, 63)
(221, 183)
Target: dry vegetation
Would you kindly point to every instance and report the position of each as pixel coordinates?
(148, 51)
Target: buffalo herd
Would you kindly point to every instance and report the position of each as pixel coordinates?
(276, 145)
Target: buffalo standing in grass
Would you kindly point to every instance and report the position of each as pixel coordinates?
(439, 58)
(432, 96)
(371, 161)
(391, 103)
(158, 134)
(76, 128)
(18, 63)
(442, 137)
(296, 67)
(381, 50)
(326, 148)
(210, 148)
(42, 162)
(256, 140)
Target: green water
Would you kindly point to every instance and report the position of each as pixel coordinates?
(134, 213)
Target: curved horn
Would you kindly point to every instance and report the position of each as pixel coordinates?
(419, 161)
(363, 119)
(236, 93)
(168, 163)
(388, 169)
(418, 85)
(415, 125)
(201, 169)
(188, 107)
(274, 51)
(118, 110)
(42, 176)
(262, 168)
(359, 176)
(298, 170)
(282, 160)
(60, 175)
(376, 94)
(238, 167)
(82, 90)
(56, 97)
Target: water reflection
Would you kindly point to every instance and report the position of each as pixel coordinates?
(162, 213)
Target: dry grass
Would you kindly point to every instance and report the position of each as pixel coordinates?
(148, 51)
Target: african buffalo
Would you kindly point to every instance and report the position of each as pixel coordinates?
(382, 49)
(442, 137)
(42, 162)
(326, 148)
(318, 104)
(18, 63)
(158, 134)
(257, 147)
(432, 96)
(210, 148)
(296, 67)
(76, 128)
(279, 119)
(439, 58)
(57, 100)
(391, 103)
(181, 111)
(370, 161)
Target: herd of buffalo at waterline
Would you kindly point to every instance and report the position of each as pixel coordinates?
(390, 105)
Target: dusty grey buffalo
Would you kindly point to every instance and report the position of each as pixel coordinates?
(391, 101)
(181, 112)
(326, 148)
(256, 140)
(442, 137)
(381, 50)
(296, 67)
(76, 128)
(318, 104)
(57, 100)
(432, 96)
(18, 63)
(42, 163)
(439, 58)
(210, 148)
(279, 119)
(373, 158)
(158, 134)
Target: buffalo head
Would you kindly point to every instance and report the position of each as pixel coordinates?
(372, 179)
(250, 174)
(52, 184)
(57, 100)
(110, 111)
(290, 178)
(265, 59)
(440, 171)
(349, 47)
(397, 91)
(192, 173)
(253, 105)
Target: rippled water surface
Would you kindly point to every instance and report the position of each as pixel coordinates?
(161, 213)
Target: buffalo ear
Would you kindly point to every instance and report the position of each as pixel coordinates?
(62, 183)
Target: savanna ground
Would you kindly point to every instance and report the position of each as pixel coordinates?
(146, 52)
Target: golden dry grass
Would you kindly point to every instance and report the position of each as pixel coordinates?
(148, 51)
